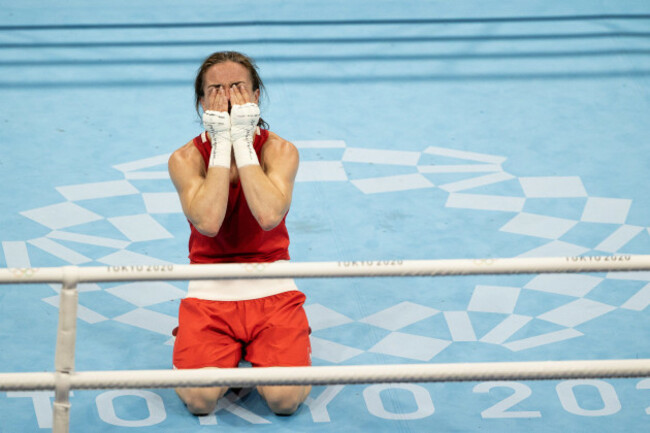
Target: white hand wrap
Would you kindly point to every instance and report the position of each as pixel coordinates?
(217, 123)
(244, 120)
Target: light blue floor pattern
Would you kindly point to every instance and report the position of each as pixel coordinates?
(426, 130)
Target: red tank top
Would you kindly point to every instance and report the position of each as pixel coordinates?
(240, 239)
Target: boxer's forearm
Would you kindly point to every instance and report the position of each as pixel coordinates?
(266, 201)
(207, 208)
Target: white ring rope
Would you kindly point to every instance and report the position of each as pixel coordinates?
(372, 268)
(248, 377)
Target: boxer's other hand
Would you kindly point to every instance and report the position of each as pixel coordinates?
(239, 95)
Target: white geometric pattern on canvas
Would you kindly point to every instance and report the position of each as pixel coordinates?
(479, 170)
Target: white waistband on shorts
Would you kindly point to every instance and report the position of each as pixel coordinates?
(239, 290)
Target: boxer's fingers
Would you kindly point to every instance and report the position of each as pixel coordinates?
(236, 96)
(221, 100)
(243, 91)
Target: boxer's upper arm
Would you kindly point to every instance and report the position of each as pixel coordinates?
(280, 160)
(187, 172)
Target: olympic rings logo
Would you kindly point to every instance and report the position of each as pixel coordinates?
(255, 267)
(484, 262)
(23, 272)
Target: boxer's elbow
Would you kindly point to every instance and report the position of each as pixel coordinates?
(207, 227)
(207, 230)
(269, 220)
(206, 220)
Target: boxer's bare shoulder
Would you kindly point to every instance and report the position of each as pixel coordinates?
(277, 149)
(186, 158)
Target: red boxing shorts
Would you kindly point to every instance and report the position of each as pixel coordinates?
(268, 332)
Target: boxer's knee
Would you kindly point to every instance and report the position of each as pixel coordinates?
(284, 400)
(201, 401)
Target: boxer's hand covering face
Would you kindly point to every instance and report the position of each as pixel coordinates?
(217, 122)
(244, 116)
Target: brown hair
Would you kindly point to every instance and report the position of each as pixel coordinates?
(228, 56)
